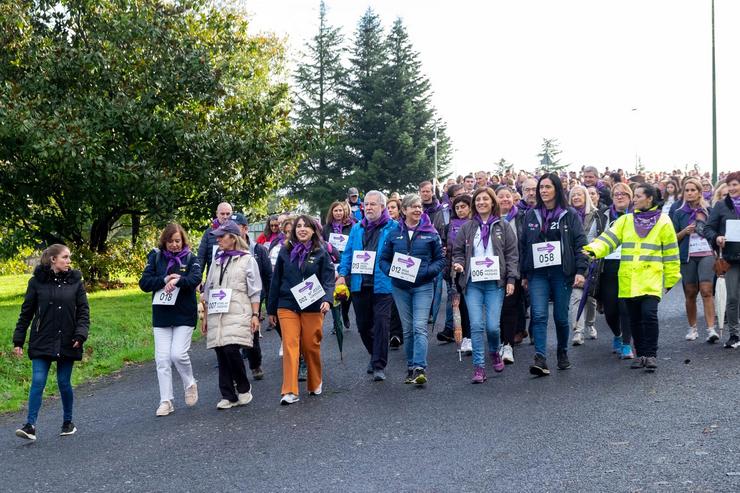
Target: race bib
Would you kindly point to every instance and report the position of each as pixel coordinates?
(405, 267)
(484, 268)
(166, 299)
(338, 241)
(219, 300)
(616, 254)
(308, 292)
(697, 244)
(546, 254)
(363, 262)
(274, 253)
(732, 230)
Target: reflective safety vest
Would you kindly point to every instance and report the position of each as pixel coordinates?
(648, 265)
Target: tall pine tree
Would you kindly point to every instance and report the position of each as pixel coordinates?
(319, 80)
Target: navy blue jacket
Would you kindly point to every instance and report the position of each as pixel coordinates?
(426, 246)
(205, 250)
(262, 256)
(572, 241)
(185, 309)
(287, 275)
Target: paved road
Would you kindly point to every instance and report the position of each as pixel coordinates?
(596, 427)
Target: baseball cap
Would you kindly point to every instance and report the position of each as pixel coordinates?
(240, 219)
(229, 227)
(352, 191)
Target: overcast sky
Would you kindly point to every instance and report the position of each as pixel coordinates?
(611, 80)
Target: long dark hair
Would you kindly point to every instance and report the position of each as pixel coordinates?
(316, 239)
(560, 200)
(268, 231)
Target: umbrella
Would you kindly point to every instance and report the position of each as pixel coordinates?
(341, 292)
(456, 318)
(584, 296)
(720, 297)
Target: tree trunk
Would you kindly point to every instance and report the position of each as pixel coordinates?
(135, 228)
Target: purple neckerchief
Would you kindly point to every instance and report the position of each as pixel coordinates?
(736, 204)
(548, 216)
(300, 251)
(433, 207)
(523, 205)
(485, 228)
(215, 224)
(581, 213)
(381, 221)
(175, 258)
(455, 225)
(614, 213)
(707, 195)
(512, 213)
(222, 254)
(645, 221)
(424, 226)
(693, 212)
(600, 185)
(446, 199)
(336, 227)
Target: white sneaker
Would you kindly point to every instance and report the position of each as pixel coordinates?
(225, 404)
(191, 395)
(289, 399)
(165, 408)
(592, 334)
(244, 399)
(280, 351)
(317, 391)
(692, 334)
(507, 354)
(712, 335)
(466, 346)
(578, 338)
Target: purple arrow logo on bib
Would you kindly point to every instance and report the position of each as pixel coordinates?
(547, 248)
(220, 295)
(487, 262)
(406, 261)
(308, 286)
(340, 239)
(365, 256)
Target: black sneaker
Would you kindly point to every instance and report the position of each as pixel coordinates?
(563, 362)
(420, 378)
(445, 336)
(409, 377)
(28, 432)
(638, 363)
(68, 428)
(539, 367)
(651, 363)
(395, 342)
(733, 342)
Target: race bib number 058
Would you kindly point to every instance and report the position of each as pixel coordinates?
(546, 254)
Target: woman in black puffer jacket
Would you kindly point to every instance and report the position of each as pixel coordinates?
(56, 309)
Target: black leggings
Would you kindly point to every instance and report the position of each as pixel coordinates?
(615, 309)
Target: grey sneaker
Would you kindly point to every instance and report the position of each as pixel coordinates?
(378, 375)
(638, 363)
(578, 338)
(651, 364)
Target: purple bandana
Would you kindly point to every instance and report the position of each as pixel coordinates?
(707, 195)
(485, 228)
(300, 251)
(693, 212)
(215, 224)
(645, 221)
(614, 213)
(512, 213)
(175, 258)
(424, 226)
(455, 225)
(548, 216)
(581, 213)
(434, 206)
(523, 205)
(381, 221)
(336, 227)
(222, 254)
(736, 203)
(600, 185)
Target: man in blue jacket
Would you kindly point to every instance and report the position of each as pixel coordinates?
(370, 287)
(208, 246)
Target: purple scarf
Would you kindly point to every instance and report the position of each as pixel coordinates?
(600, 185)
(300, 251)
(513, 212)
(336, 227)
(523, 205)
(381, 221)
(548, 216)
(614, 213)
(433, 207)
(581, 213)
(485, 228)
(455, 225)
(693, 212)
(736, 204)
(424, 226)
(215, 224)
(707, 195)
(175, 258)
(222, 254)
(645, 221)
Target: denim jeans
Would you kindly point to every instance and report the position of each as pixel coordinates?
(413, 307)
(437, 285)
(477, 295)
(38, 383)
(544, 283)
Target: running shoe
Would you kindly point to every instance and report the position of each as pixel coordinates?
(712, 335)
(692, 334)
(539, 367)
(617, 345)
(627, 351)
(479, 375)
(28, 432)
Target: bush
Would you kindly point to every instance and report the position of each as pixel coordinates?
(110, 269)
(18, 264)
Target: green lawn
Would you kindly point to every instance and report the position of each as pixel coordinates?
(120, 333)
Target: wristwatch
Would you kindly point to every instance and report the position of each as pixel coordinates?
(255, 315)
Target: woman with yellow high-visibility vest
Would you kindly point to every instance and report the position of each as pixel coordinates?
(648, 266)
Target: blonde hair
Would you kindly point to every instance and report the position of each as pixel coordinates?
(625, 188)
(698, 184)
(587, 197)
(718, 193)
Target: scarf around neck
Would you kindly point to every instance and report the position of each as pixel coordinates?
(222, 255)
(693, 212)
(175, 258)
(513, 212)
(300, 252)
(434, 206)
(707, 195)
(455, 225)
(548, 216)
(523, 205)
(581, 211)
(485, 228)
(424, 226)
(614, 213)
(381, 221)
(215, 223)
(645, 221)
(336, 227)
(736, 204)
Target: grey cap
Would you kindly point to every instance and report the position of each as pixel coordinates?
(352, 191)
(229, 227)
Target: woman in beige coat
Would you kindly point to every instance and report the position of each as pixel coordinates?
(232, 294)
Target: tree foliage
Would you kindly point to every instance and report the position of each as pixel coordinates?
(549, 160)
(137, 109)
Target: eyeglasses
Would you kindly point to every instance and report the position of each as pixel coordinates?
(619, 195)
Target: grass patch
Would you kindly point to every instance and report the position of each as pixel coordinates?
(120, 333)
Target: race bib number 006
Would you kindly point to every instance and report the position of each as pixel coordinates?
(484, 269)
(546, 254)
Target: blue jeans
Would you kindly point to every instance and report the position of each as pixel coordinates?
(477, 295)
(544, 283)
(413, 308)
(437, 298)
(38, 382)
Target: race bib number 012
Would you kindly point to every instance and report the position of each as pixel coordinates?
(484, 269)
(363, 262)
(166, 299)
(546, 254)
(405, 267)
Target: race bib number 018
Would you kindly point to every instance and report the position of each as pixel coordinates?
(546, 254)
(405, 267)
(484, 269)
(308, 292)
(219, 300)
(363, 262)
(166, 299)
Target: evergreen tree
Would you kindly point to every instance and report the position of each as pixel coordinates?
(317, 114)
(549, 160)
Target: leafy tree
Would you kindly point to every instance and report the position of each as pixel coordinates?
(123, 110)
(502, 166)
(549, 160)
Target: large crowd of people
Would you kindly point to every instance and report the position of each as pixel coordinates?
(500, 249)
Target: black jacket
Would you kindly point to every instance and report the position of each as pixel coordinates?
(262, 257)
(56, 309)
(572, 241)
(287, 275)
(185, 309)
(721, 212)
